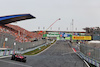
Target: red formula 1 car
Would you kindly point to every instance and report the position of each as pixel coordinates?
(18, 57)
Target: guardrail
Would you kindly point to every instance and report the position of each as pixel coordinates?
(6, 52)
(10, 51)
(22, 52)
(90, 54)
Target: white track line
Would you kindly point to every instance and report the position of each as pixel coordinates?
(15, 63)
(67, 53)
(6, 56)
(86, 63)
(44, 49)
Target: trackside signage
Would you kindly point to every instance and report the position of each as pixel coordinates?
(44, 35)
(61, 38)
(53, 32)
(67, 38)
(81, 37)
(53, 35)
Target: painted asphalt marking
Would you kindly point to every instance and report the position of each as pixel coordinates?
(83, 60)
(86, 63)
(67, 53)
(15, 63)
(6, 56)
(45, 49)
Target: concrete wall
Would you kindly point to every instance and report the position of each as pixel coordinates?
(27, 45)
(19, 46)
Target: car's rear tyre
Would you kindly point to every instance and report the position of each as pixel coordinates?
(15, 59)
(20, 60)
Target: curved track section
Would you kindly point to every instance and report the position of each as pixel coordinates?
(58, 55)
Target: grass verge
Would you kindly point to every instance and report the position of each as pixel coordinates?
(38, 50)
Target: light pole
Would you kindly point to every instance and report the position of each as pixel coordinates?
(38, 28)
(72, 25)
(43, 28)
(23, 38)
(72, 29)
(67, 28)
(58, 28)
(6, 39)
(51, 28)
(15, 47)
(18, 32)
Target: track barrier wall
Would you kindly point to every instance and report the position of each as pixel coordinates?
(90, 54)
(7, 52)
(19, 47)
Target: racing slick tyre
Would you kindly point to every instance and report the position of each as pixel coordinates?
(24, 61)
(15, 59)
(20, 60)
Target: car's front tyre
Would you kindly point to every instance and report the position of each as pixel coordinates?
(24, 61)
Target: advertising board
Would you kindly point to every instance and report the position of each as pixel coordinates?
(81, 37)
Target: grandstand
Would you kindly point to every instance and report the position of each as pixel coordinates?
(21, 35)
(14, 33)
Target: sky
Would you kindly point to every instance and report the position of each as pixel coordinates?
(85, 13)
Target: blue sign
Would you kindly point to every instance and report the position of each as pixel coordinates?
(66, 35)
(62, 33)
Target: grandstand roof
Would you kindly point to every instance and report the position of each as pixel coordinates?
(14, 18)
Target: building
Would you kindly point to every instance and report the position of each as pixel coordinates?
(94, 32)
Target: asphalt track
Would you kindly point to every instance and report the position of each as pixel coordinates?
(58, 55)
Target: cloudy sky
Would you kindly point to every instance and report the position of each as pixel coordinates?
(85, 13)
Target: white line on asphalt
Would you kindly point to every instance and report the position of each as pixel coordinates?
(86, 63)
(5, 56)
(83, 60)
(67, 53)
(15, 63)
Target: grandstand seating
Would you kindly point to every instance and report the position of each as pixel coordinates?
(20, 34)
